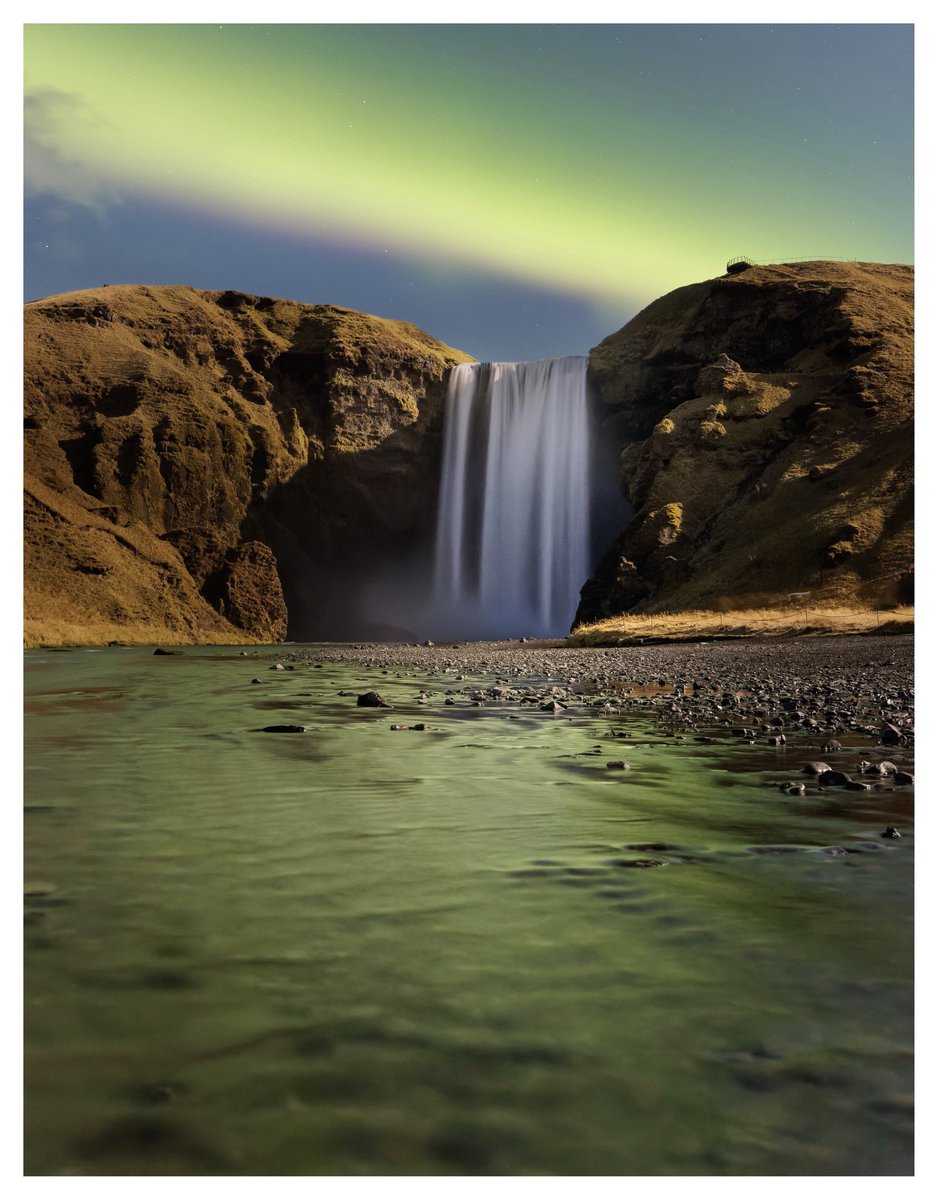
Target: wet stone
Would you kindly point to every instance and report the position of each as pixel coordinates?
(831, 778)
(372, 700)
(284, 729)
(891, 832)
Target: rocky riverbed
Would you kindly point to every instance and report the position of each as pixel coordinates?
(848, 703)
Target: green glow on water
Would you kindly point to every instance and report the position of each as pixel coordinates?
(365, 951)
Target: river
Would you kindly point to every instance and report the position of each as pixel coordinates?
(357, 950)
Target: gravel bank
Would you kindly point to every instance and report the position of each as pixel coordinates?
(846, 704)
(875, 662)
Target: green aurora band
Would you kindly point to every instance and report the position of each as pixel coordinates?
(608, 162)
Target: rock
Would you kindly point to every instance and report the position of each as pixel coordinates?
(277, 667)
(830, 747)
(246, 590)
(618, 765)
(372, 700)
(903, 778)
(879, 769)
(553, 706)
(796, 789)
(889, 735)
(167, 653)
(891, 832)
(838, 376)
(641, 862)
(831, 778)
(854, 785)
(161, 435)
(284, 729)
(257, 681)
(815, 768)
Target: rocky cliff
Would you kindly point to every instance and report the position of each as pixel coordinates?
(210, 466)
(766, 420)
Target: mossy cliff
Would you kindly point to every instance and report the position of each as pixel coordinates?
(200, 463)
(766, 420)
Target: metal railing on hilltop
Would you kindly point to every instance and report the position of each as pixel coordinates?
(741, 261)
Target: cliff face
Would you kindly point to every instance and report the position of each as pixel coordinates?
(766, 420)
(200, 464)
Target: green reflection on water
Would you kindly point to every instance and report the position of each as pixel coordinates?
(357, 950)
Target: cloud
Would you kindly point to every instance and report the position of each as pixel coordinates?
(50, 169)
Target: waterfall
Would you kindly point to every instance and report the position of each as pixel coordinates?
(513, 525)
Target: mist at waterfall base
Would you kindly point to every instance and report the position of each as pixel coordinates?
(528, 499)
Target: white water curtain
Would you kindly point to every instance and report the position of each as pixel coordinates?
(513, 535)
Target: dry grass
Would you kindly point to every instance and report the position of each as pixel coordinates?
(48, 633)
(703, 625)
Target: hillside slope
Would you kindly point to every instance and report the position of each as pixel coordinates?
(766, 420)
(200, 464)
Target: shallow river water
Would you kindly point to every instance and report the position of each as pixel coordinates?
(364, 951)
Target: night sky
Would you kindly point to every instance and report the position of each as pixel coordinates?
(518, 191)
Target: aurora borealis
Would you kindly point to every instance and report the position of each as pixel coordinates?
(517, 190)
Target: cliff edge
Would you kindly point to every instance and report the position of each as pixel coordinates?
(766, 420)
(205, 466)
